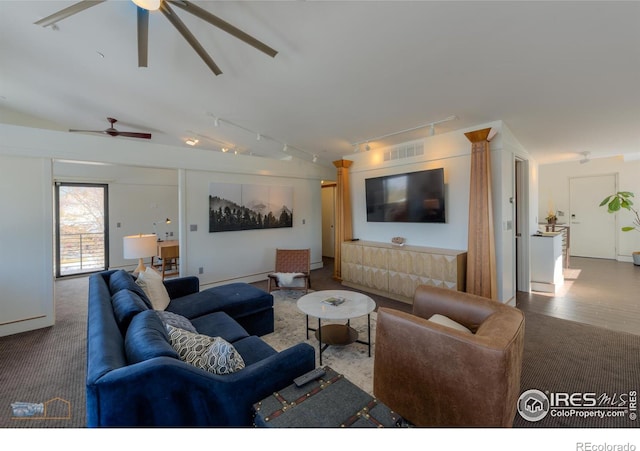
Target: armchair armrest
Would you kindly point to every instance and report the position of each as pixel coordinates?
(182, 286)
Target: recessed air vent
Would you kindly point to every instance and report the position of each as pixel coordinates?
(404, 151)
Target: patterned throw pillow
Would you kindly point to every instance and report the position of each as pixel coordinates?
(212, 354)
(176, 320)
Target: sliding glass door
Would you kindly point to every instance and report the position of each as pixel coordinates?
(81, 228)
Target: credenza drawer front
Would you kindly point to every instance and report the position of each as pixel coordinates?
(396, 271)
(375, 278)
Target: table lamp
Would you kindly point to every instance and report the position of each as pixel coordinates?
(139, 246)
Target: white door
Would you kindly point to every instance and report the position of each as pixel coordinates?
(328, 218)
(593, 231)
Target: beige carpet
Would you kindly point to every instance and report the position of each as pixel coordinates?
(352, 360)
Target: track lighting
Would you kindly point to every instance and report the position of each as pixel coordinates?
(259, 137)
(191, 141)
(431, 125)
(315, 158)
(225, 149)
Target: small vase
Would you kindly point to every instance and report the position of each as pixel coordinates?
(636, 258)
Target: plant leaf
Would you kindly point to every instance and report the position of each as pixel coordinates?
(604, 202)
(628, 228)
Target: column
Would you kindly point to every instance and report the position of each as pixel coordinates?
(481, 254)
(344, 224)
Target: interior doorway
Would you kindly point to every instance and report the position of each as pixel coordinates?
(81, 228)
(521, 224)
(328, 219)
(593, 232)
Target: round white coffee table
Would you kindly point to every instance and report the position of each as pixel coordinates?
(337, 305)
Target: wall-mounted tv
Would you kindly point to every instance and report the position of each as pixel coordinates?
(412, 197)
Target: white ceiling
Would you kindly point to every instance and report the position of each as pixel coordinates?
(564, 76)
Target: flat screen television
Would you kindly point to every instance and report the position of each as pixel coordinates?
(412, 197)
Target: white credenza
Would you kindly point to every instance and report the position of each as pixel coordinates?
(395, 271)
(546, 262)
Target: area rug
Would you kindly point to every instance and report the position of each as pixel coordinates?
(560, 357)
(351, 360)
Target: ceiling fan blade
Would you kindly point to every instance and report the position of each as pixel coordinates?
(184, 31)
(223, 25)
(133, 135)
(143, 36)
(87, 131)
(66, 12)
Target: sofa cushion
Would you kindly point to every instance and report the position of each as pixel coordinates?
(236, 299)
(176, 320)
(147, 338)
(151, 282)
(219, 324)
(212, 354)
(253, 349)
(122, 280)
(448, 322)
(126, 304)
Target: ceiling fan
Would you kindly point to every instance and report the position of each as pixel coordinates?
(144, 6)
(113, 132)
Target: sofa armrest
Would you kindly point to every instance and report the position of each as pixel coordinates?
(182, 286)
(168, 392)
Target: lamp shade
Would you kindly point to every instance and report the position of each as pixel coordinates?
(139, 246)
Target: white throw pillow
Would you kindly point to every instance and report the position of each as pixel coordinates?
(448, 322)
(151, 282)
(212, 354)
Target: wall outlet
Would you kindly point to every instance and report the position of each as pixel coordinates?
(193, 227)
(118, 225)
(201, 270)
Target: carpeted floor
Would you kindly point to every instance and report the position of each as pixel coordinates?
(560, 356)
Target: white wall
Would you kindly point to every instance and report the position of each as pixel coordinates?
(554, 193)
(26, 266)
(225, 256)
(247, 255)
(451, 151)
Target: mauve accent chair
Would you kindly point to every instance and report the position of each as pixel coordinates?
(436, 376)
(291, 261)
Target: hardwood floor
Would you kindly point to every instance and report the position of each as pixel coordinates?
(600, 292)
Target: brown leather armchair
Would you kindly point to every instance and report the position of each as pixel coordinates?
(434, 375)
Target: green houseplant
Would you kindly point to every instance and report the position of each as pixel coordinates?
(622, 199)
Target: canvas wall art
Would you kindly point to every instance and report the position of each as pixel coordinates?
(234, 206)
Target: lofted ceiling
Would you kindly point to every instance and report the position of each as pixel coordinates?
(563, 76)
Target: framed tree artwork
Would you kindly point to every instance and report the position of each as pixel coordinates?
(234, 206)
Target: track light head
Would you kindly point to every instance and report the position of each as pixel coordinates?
(315, 158)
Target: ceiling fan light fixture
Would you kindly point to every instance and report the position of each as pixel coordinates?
(149, 5)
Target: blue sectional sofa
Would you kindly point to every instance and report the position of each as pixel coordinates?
(135, 378)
